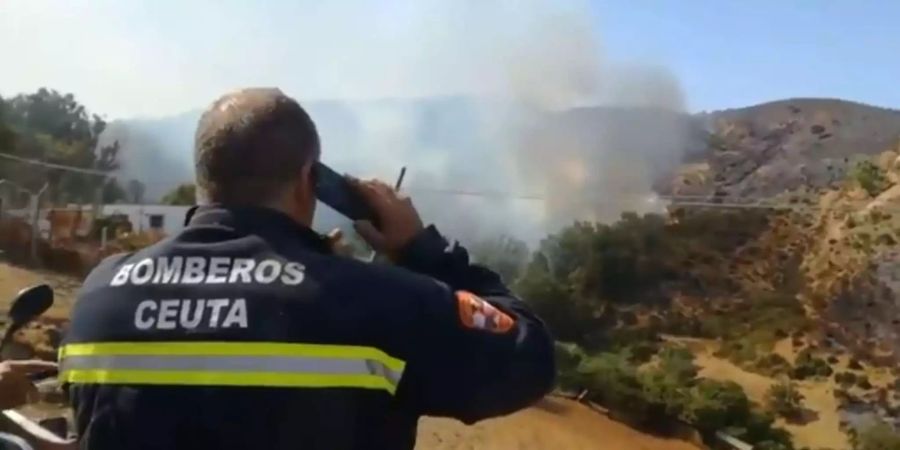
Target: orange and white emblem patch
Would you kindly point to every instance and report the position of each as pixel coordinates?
(481, 315)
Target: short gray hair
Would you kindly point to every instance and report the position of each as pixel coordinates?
(249, 144)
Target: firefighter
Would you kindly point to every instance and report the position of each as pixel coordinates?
(245, 331)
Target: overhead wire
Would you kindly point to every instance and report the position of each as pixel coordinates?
(681, 200)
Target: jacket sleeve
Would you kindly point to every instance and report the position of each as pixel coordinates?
(462, 366)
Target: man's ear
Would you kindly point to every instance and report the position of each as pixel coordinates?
(306, 188)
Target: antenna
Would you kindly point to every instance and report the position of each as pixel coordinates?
(397, 186)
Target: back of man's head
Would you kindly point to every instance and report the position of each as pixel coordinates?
(250, 145)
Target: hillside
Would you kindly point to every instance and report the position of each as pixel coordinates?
(552, 424)
(766, 149)
(805, 294)
(694, 315)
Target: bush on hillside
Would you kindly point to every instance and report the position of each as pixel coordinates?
(869, 177)
(876, 436)
(809, 366)
(611, 380)
(568, 358)
(773, 364)
(652, 398)
(664, 393)
(641, 352)
(679, 363)
(714, 405)
(784, 400)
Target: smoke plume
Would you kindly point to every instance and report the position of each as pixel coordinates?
(522, 125)
(581, 137)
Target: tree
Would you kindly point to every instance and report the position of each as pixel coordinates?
(184, 194)
(613, 382)
(55, 128)
(784, 399)
(569, 317)
(666, 391)
(714, 405)
(504, 254)
(136, 191)
(7, 137)
(112, 192)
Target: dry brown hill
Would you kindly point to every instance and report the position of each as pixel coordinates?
(766, 149)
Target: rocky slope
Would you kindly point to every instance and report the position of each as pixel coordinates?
(766, 149)
(840, 241)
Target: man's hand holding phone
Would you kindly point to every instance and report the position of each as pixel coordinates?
(399, 222)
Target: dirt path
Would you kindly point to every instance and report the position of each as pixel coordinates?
(553, 424)
(821, 427)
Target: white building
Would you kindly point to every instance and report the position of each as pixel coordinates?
(167, 218)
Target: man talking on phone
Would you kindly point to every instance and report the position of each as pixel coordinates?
(245, 331)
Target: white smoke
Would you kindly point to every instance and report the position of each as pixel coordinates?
(530, 107)
(563, 123)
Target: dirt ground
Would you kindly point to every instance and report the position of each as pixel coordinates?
(820, 430)
(551, 425)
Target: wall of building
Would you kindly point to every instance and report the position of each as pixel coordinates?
(168, 218)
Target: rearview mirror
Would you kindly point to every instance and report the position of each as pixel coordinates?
(30, 303)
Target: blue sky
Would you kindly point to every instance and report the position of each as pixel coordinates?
(157, 57)
(734, 53)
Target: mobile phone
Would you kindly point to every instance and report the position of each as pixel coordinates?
(335, 191)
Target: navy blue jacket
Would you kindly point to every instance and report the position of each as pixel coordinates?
(243, 331)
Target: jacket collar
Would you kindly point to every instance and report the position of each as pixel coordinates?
(257, 220)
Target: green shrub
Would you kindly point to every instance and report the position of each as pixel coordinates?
(773, 364)
(869, 177)
(716, 404)
(679, 362)
(652, 398)
(611, 380)
(807, 366)
(784, 399)
(664, 392)
(568, 358)
(642, 352)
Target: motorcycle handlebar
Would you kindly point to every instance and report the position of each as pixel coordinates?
(37, 437)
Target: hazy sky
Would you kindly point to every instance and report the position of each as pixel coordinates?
(125, 58)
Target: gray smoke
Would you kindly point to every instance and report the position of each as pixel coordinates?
(546, 116)
(587, 135)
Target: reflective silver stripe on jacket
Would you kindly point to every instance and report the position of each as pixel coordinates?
(230, 364)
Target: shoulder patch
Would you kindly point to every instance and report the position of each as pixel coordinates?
(478, 314)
